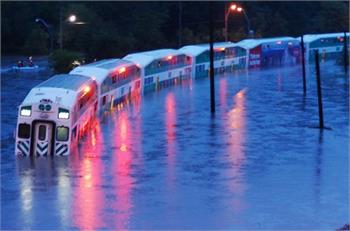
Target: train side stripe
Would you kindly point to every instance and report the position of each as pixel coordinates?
(60, 147)
(41, 149)
(23, 146)
(63, 151)
(21, 149)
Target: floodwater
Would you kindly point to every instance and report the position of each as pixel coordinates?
(163, 162)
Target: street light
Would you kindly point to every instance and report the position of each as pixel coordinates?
(48, 29)
(239, 9)
(232, 8)
(72, 18)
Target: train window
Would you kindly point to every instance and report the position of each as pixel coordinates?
(114, 79)
(104, 99)
(62, 133)
(24, 131)
(42, 132)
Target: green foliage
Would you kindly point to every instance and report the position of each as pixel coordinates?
(62, 60)
(36, 43)
(114, 29)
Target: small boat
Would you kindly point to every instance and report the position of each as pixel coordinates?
(25, 68)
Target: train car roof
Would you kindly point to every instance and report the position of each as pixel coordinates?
(101, 69)
(146, 57)
(308, 38)
(251, 43)
(108, 64)
(66, 81)
(62, 89)
(197, 49)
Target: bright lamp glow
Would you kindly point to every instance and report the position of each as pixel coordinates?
(239, 9)
(26, 111)
(169, 57)
(233, 7)
(72, 18)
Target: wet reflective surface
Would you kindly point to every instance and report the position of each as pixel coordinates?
(163, 162)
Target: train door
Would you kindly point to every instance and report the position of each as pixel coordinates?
(43, 133)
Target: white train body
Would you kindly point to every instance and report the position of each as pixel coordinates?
(161, 67)
(227, 57)
(116, 79)
(330, 45)
(57, 113)
(54, 114)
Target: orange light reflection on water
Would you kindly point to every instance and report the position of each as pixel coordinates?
(237, 125)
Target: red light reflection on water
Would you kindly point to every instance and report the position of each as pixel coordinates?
(122, 159)
(170, 120)
(88, 202)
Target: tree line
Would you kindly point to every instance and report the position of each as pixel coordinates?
(114, 29)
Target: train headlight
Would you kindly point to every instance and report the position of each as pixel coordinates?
(26, 111)
(63, 113)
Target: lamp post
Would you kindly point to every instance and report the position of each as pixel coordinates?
(232, 8)
(238, 9)
(71, 19)
(247, 20)
(48, 29)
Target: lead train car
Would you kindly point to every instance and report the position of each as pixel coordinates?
(116, 79)
(55, 114)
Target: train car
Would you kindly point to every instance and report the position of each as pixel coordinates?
(330, 46)
(227, 57)
(116, 79)
(160, 68)
(271, 52)
(232, 57)
(55, 114)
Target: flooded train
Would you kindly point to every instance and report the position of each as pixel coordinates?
(54, 114)
(58, 112)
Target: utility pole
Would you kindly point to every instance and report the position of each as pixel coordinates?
(319, 90)
(211, 41)
(303, 63)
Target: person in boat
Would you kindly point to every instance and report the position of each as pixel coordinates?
(20, 63)
(30, 61)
